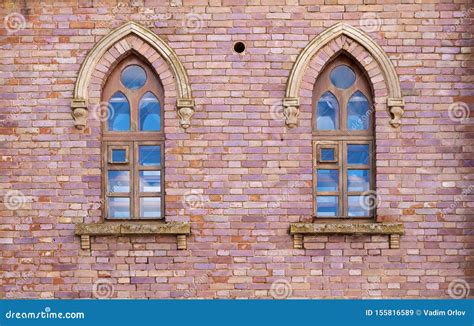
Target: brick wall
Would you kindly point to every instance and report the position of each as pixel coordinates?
(237, 174)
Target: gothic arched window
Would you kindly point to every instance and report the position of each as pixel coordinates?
(343, 134)
(133, 142)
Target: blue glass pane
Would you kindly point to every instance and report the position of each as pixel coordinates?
(328, 180)
(342, 77)
(328, 112)
(326, 206)
(358, 112)
(358, 180)
(358, 206)
(327, 154)
(150, 181)
(119, 113)
(358, 154)
(149, 109)
(119, 181)
(150, 207)
(133, 77)
(119, 156)
(119, 207)
(150, 155)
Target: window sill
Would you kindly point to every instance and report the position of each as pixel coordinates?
(299, 230)
(180, 229)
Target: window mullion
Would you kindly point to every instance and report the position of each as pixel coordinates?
(105, 178)
(343, 167)
(372, 173)
(162, 176)
(135, 173)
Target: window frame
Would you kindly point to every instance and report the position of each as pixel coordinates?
(119, 146)
(341, 137)
(327, 145)
(131, 140)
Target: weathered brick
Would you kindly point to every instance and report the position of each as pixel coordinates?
(253, 174)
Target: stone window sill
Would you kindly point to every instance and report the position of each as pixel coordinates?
(299, 230)
(180, 229)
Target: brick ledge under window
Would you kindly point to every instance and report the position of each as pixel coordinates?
(86, 230)
(299, 230)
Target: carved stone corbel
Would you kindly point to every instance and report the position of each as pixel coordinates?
(79, 113)
(395, 106)
(298, 241)
(185, 111)
(394, 241)
(291, 111)
(181, 240)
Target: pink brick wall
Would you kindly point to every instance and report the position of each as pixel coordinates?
(244, 175)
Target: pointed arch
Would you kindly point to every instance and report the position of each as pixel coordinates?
(291, 102)
(185, 103)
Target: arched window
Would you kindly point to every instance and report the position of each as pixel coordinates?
(133, 142)
(343, 137)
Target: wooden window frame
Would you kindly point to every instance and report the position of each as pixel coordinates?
(111, 147)
(340, 138)
(320, 146)
(131, 140)
(137, 195)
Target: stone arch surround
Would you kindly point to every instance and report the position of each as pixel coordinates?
(363, 49)
(111, 49)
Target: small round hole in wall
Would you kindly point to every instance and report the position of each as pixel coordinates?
(239, 47)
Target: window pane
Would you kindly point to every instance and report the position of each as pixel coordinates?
(358, 206)
(358, 112)
(119, 207)
(327, 206)
(150, 181)
(150, 207)
(149, 113)
(150, 155)
(133, 77)
(327, 154)
(119, 155)
(358, 154)
(328, 112)
(328, 180)
(358, 180)
(342, 77)
(119, 181)
(118, 113)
